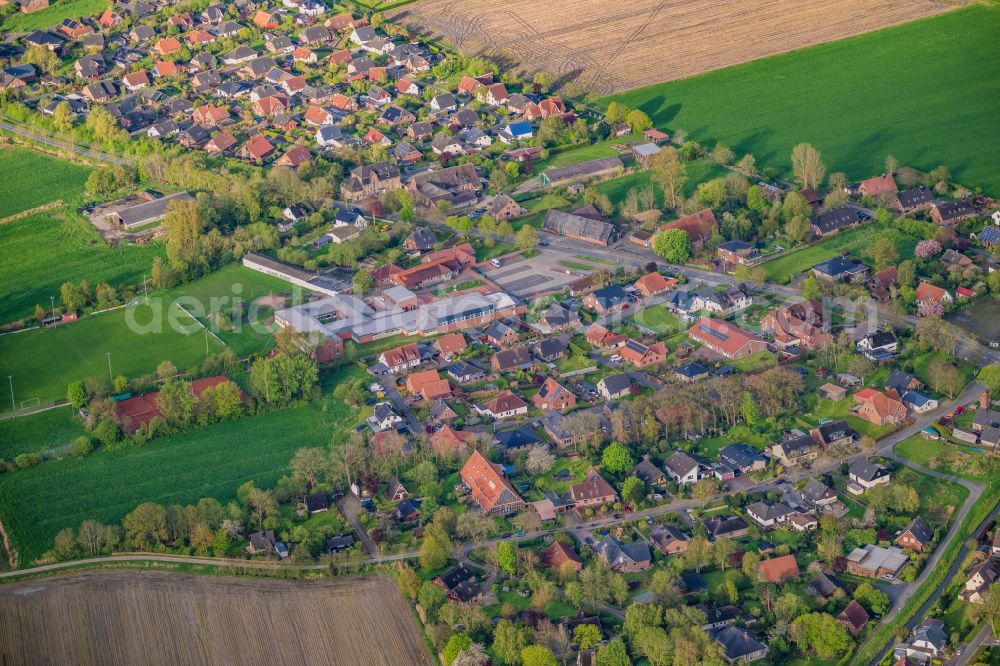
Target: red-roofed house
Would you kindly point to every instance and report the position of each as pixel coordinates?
(929, 293)
(779, 569)
(167, 45)
(878, 408)
(257, 148)
(138, 411)
(302, 54)
(401, 358)
(700, 227)
(220, 143)
(210, 115)
(725, 338)
(504, 405)
(489, 487)
(451, 344)
(295, 157)
(448, 440)
(873, 187)
(428, 385)
(641, 355)
(553, 395)
(560, 557)
(265, 21)
(654, 283)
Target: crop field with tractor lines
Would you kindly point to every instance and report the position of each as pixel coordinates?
(130, 617)
(604, 49)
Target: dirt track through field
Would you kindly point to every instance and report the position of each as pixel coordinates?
(155, 618)
(604, 47)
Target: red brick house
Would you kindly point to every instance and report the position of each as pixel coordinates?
(489, 487)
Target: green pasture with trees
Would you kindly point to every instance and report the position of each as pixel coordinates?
(856, 100)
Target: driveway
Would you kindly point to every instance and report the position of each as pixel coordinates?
(350, 509)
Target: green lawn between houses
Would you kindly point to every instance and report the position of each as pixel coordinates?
(698, 171)
(892, 91)
(55, 13)
(40, 252)
(31, 179)
(785, 267)
(205, 462)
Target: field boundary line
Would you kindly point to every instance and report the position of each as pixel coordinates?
(206, 328)
(38, 209)
(20, 330)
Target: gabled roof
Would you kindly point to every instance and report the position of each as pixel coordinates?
(488, 485)
(700, 226)
(920, 530)
(778, 569)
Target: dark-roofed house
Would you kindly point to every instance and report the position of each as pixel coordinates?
(918, 198)
(511, 360)
(682, 467)
(615, 386)
(743, 457)
(608, 299)
(731, 527)
(916, 536)
(517, 439)
(738, 645)
(794, 450)
(822, 586)
(623, 557)
(649, 473)
(578, 227)
(854, 617)
(840, 269)
(868, 474)
(832, 433)
(316, 502)
(947, 213)
(669, 540)
(146, 212)
(832, 221)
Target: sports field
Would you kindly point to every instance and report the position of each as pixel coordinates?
(44, 361)
(31, 179)
(52, 429)
(220, 291)
(40, 252)
(205, 462)
(925, 92)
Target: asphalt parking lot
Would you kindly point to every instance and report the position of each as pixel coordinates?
(528, 277)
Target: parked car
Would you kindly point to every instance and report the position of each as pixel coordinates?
(495, 263)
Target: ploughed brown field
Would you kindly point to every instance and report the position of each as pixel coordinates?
(152, 618)
(606, 47)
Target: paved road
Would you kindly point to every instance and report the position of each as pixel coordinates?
(85, 152)
(982, 637)
(350, 509)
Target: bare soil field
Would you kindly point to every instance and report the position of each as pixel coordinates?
(604, 48)
(130, 617)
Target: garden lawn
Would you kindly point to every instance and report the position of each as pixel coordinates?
(44, 361)
(698, 171)
(586, 153)
(205, 462)
(785, 267)
(891, 91)
(51, 429)
(55, 13)
(31, 179)
(658, 318)
(40, 252)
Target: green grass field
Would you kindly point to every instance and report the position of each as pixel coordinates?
(206, 462)
(218, 291)
(44, 361)
(585, 153)
(40, 432)
(785, 267)
(698, 171)
(924, 92)
(40, 252)
(56, 12)
(659, 319)
(32, 179)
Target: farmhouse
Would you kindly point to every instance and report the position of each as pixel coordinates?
(489, 486)
(578, 227)
(884, 184)
(948, 213)
(138, 411)
(603, 167)
(147, 212)
(909, 201)
(700, 227)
